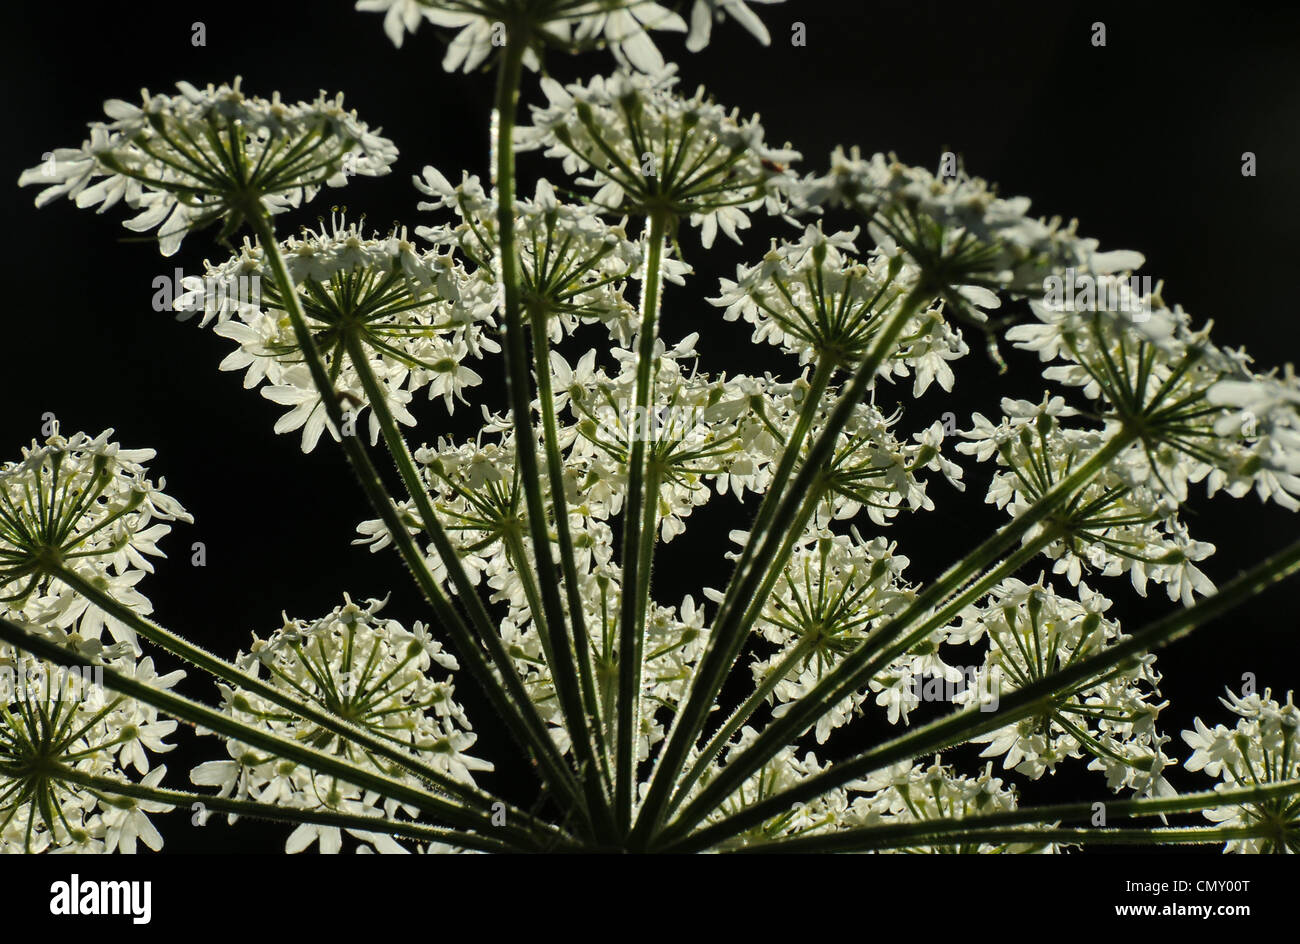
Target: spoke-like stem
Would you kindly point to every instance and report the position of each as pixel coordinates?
(631, 632)
(808, 411)
(517, 713)
(433, 529)
(742, 714)
(729, 630)
(552, 623)
(252, 809)
(1038, 836)
(960, 727)
(956, 831)
(185, 709)
(568, 561)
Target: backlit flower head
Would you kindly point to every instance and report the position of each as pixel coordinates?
(650, 151)
(57, 724)
(365, 669)
(1259, 750)
(206, 155)
(83, 504)
(417, 314)
(573, 266)
(1031, 632)
(955, 227)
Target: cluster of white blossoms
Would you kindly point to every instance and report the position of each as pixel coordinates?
(60, 725)
(83, 506)
(358, 666)
(1259, 751)
(1124, 521)
(574, 267)
(836, 590)
(1206, 416)
(815, 298)
(955, 228)
(906, 794)
(935, 793)
(417, 314)
(1027, 632)
(648, 151)
(207, 155)
(624, 26)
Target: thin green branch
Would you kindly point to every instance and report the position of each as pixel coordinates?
(552, 624)
(252, 809)
(631, 633)
(901, 835)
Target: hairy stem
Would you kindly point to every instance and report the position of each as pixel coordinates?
(631, 636)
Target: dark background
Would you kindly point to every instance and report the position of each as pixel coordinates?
(1141, 140)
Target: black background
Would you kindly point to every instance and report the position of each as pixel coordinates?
(1141, 140)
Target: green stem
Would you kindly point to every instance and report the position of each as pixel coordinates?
(739, 717)
(281, 814)
(742, 714)
(564, 670)
(432, 526)
(568, 562)
(514, 712)
(631, 638)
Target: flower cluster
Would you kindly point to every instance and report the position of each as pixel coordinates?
(814, 298)
(936, 793)
(650, 152)
(211, 155)
(1124, 521)
(573, 267)
(418, 316)
(1030, 632)
(1202, 413)
(955, 228)
(836, 590)
(362, 668)
(82, 506)
(1259, 751)
(60, 726)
